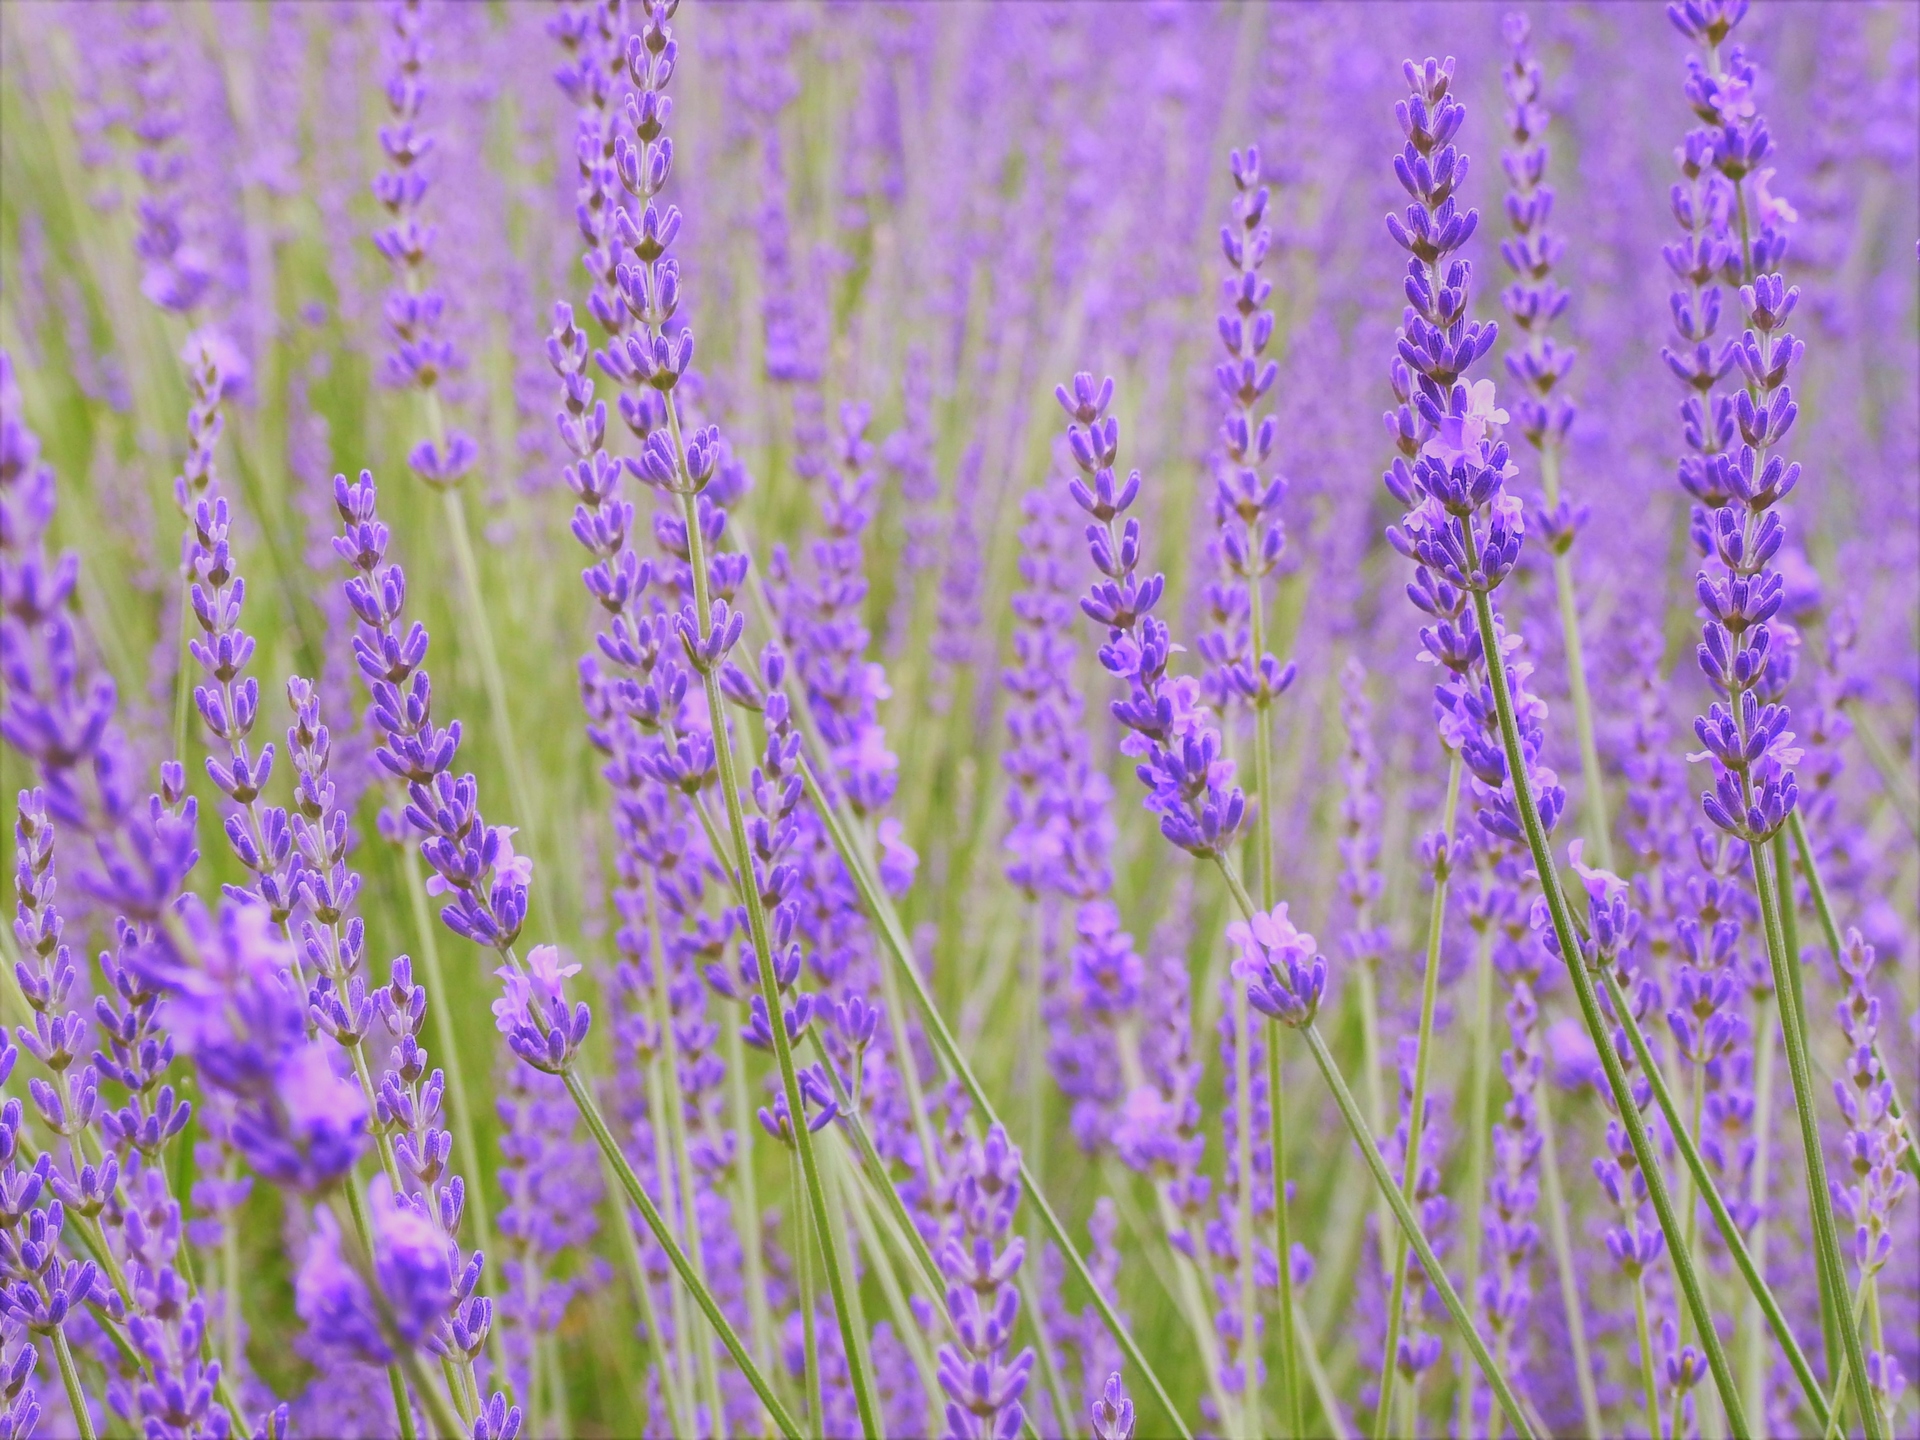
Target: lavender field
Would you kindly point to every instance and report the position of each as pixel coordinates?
(729, 719)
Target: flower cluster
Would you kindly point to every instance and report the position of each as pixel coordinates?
(1189, 779)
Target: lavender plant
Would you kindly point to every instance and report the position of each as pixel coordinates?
(861, 1063)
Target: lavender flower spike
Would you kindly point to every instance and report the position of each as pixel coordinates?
(1464, 531)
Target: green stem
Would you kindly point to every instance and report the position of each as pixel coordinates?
(1416, 1115)
(490, 672)
(880, 907)
(1754, 1359)
(1292, 1406)
(803, 1282)
(70, 1377)
(747, 1198)
(1594, 798)
(762, 944)
(670, 1387)
(445, 1421)
(1652, 1394)
(1703, 1181)
(1823, 908)
(1563, 1261)
(1630, 1116)
(1410, 1227)
(402, 1406)
(677, 1173)
(636, 1192)
(1480, 1067)
(1836, 1422)
(1793, 1011)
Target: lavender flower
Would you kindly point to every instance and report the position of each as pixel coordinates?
(983, 1388)
(1188, 778)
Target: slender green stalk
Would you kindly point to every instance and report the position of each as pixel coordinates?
(1316, 1373)
(1823, 908)
(1402, 1210)
(1480, 1068)
(445, 1422)
(887, 920)
(1594, 788)
(70, 1377)
(670, 1387)
(1291, 1398)
(1786, 985)
(1416, 1114)
(1563, 1262)
(1410, 1227)
(402, 1405)
(677, 1172)
(746, 1199)
(1630, 1117)
(762, 944)
(1649, 1391)
(1836, 1423)
(1703, 1181)
(1264, 808)
(1754, 1345)
(482, 633)
(637, 1193)
(803, 1282)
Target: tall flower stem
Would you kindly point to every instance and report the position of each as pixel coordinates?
(762, 944)
(636, 1192)
(1703, 1181)
(1649, 1388)
(1283, 1248)
(70, 1377)
(1383, 1178)
(622, 1227)
(1562, 917)
(1480, 1068)
(1263, 853)
(1793, 1027)
(1594, 799)
(677, 1173)
(1830, 930)
(803, 1285)
(1416, 1115)
(887, 920)
(482, 631)
(1563, 1262)
(1753, 1361)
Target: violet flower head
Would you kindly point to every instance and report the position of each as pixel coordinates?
(1462, 529)
(1734, 234)
(1112, 1412)
(473, 862)
(1285, 976)
(1189, 779)
(1245, 504)
(397, 1302)
(415, 312)
(983, 1388)
(295, 1119)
